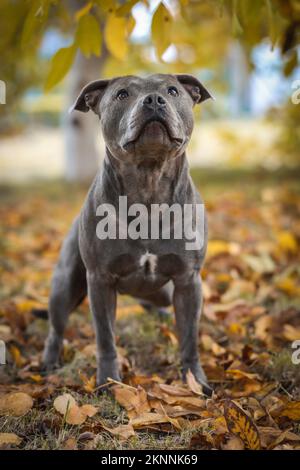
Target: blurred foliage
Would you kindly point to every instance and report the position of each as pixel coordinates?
(288, 140)
(192, 26)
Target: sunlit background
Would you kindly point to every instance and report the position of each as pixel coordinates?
(251, 122)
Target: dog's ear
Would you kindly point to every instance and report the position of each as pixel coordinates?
(195, 89)
(90, 96)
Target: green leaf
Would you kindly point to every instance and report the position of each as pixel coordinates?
(237, 29)
(88, 36)
(162, 27)
(116, 34)
(60, 65)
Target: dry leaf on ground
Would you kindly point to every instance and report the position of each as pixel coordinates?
(15, 404)
(241, 425)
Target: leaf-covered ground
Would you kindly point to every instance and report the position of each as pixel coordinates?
(250, 320)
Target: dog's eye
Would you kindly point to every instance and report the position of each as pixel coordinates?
(122, 94)
(172, 90)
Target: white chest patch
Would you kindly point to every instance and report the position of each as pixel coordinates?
(149, 262)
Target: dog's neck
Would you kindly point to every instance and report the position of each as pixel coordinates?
(148, 183)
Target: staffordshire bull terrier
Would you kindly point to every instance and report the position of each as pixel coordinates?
(147, 124)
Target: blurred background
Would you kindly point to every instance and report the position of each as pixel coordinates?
(246, 52)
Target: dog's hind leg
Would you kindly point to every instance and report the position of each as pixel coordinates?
(68, 289)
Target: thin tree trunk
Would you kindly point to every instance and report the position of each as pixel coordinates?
(82, 130)
(239, 79)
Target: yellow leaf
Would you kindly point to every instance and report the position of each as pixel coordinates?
(129, 310)
(217, 247)
(291, 333)
(60, 65)
(116, 36)
(288, 285)
(126, 8)
(162, 25)
(88, 36)
(240, 374)
(239, 424)
(17, 357)
(83, 11)
(287, 242)
(89, 383)
(15, 404)
(292, 410)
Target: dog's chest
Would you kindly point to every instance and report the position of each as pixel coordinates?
(144, 270)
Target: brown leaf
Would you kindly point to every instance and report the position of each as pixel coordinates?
(75, 415)
(290, 332)
(15, 404)
(89, 410)
(241, 425)
(193, 384)
(70, 444)
(146, 419)
(66, 405)
(292, 410)
(8, 438)
(64, 402)
(134, 400)
(233, 443)
(240, 374)
(123, 431)
(175, 390)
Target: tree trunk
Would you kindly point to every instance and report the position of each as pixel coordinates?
(239, 80)
(82, 158)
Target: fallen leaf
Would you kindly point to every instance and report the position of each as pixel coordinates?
(240, 374)
(64, 402)
(292, 410)
(70, 444)
(193, 384)
(123, 431)
(7, 438)
(241, 425)
(233, 443)
(146, 419)
(75, 415)
(291, 333)
(15, 404)
(89, 410)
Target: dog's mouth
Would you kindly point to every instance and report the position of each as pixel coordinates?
(154, 127)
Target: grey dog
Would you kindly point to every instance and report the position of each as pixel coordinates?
(147, 124)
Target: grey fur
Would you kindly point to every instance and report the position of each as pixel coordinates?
(146, 134)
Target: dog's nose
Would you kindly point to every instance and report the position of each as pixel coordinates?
(154, 101)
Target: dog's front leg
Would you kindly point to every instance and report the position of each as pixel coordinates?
(102, 298)
(187, 301)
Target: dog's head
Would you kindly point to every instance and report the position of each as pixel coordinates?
(144, 118)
